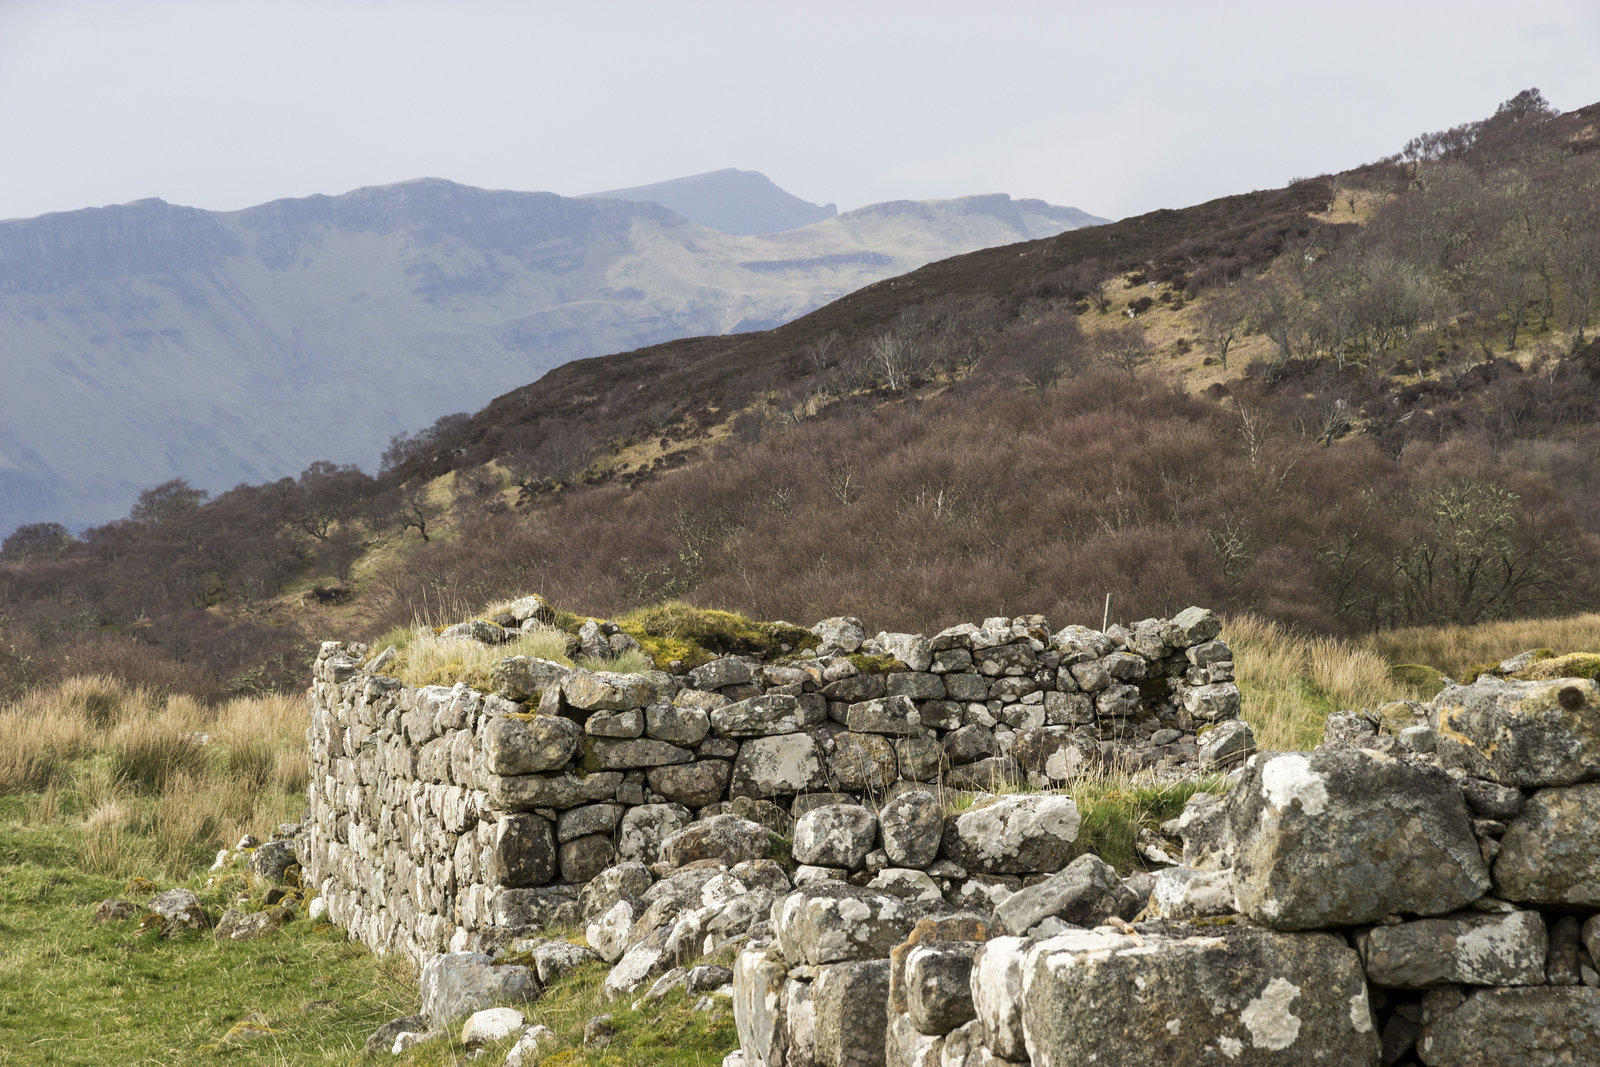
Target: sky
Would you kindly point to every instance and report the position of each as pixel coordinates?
(1116, 108)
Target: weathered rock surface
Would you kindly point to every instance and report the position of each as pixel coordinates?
(456, 983)
(1529, 1027)
(1191, 893)
(727, 838)
(759, 973)
(938, 978)
(1550, 853)
(1083, 893)
(913, 827)
(1524, 734)
(1242, 995)
(850, 1005)
(1346, 836)
(833, 922)
(835, 835)
(1467, 949)
(1014, 834)
(778, 766)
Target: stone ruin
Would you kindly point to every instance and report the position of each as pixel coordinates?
(443, 817)
(1422, 888)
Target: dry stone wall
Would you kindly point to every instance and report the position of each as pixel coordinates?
(1424, 888)
(1419, 890)
(453, 819)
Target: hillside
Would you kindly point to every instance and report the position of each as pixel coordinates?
(223, 347)
(1361, 402)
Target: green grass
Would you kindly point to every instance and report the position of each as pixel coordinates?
(667, 1032)
(75, 992)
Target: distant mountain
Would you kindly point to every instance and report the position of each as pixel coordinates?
(742, 202)
(148, 341)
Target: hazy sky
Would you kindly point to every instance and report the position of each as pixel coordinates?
(1117, 108)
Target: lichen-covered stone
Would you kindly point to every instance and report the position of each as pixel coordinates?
(457, 983)
(1524, 734)
(679, 725)
(1347, 836)
(912, 825)
(524, 678)
(849, 1001)
(606, 690)
(835, 835)
(1084, 893)
(1530, 1027)
(1550, 853)
(1191, 893)
(759, 973)
(523, 851)
(1014, 834)
(638, 753)
(693, 785)
(1241, 995)
(997, 995)
(584, 857)
(833, 922)
(525, 792)
(762, 716)
(895, 716)
(778, 766)
(723, 837)
(1466, 949)
(939, 985)
(862, 763)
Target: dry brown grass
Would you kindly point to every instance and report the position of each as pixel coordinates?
(1459, 651)
(1291, 682)
(150, 779)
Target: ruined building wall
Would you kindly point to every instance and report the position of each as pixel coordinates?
(448, 818)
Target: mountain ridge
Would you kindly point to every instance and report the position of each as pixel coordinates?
(217, 346)
(740, 202)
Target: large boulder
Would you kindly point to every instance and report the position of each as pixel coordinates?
(458, 983)
(1530, 1027)
(1550, 854)
(835, 835)
(1014, 834)
(1347, 836)
(832, 922)
(1466, 949)
(1524, 734)
(1244, 996)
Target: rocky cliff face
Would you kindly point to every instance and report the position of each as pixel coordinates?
(149, 341)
